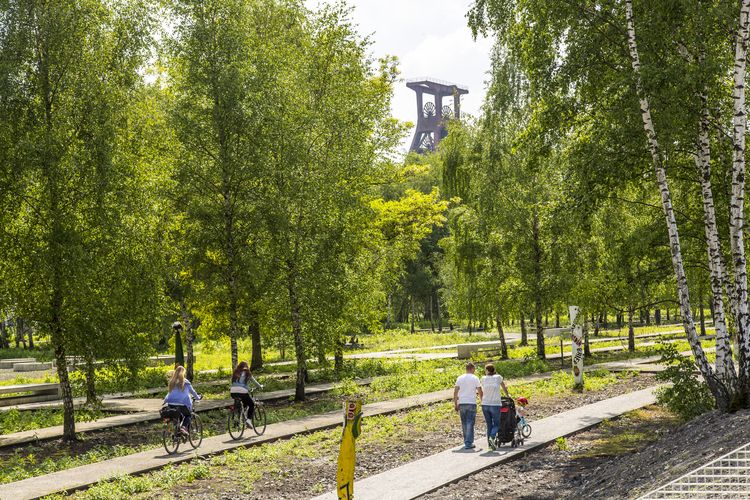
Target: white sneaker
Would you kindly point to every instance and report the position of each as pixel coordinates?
(249, 422)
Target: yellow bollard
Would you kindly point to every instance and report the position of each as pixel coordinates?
(347, 453)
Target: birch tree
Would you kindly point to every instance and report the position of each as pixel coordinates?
(666, 199)
(320, 180)
(694, 62)
(724, 364)
(74, 67)
(221, 67)
(737, 202)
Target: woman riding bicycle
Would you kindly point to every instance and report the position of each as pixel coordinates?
(178, 397)
(240, 389)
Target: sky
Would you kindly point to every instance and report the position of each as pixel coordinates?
(430, 39)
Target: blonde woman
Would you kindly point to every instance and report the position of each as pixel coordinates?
(178, 397)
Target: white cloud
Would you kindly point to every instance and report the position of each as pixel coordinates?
(430, 39)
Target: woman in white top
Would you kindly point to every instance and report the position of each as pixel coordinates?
(492, 401)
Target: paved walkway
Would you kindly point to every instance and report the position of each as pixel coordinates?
(150, 415)
(431, 473)
(11, 375)
(87, 475)
(108, 399)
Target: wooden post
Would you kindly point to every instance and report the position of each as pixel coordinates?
(576, 338)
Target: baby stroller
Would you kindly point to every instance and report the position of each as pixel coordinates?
(509, 432)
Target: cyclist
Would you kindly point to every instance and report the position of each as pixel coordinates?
(240, 389)
(178, 397)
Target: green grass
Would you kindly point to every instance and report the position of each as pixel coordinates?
(561, 444)
(397, 379)
(21, 380)
(404, 339)
(641, 330)
(19, 466)
(631, 432)
(562, 381)
(216, 354)
(41, 352)
(127, 486)
(16, 421)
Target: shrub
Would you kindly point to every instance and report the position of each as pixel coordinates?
(561, 444)
(688, 396)
(348, 387)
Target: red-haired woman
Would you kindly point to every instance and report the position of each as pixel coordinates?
(240, 390)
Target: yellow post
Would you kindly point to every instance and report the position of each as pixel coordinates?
(347, 454)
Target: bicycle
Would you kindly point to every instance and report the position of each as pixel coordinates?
(524, 428)
(236, 423)
(172, 435)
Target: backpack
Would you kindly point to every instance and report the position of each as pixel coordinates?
(169, 412)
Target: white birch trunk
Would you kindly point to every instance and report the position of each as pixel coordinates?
(724, 365)
(737, 203)
(666, 199)
(576, 345)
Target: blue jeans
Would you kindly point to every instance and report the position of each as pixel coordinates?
(492, 417)
(468, 413)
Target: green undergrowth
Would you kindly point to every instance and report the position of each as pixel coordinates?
(562, 381)
(687, 396)
(404, 339)
(40, 352)
(396, 379)
(19, 466)
(17, 421)
(21, 380)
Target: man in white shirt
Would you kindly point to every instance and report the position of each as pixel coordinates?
(465, 402)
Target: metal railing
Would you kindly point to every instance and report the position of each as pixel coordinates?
(725, 477)
(436, 80)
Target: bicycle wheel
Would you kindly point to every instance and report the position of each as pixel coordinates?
(259, 418)
(169, 437)
(236, 421)
(195, 436)
(526, 431)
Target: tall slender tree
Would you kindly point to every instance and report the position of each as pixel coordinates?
(71, 70)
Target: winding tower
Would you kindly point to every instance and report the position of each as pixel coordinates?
(432, 114)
